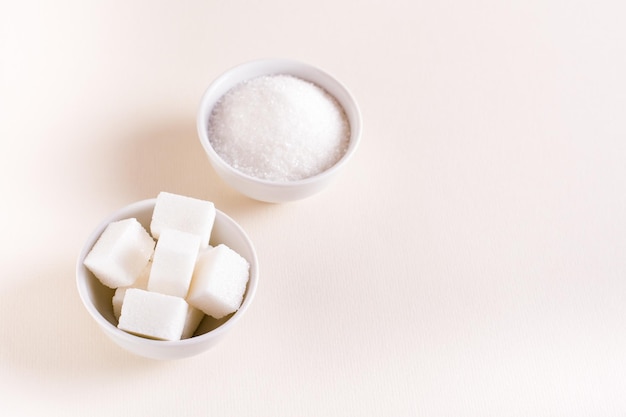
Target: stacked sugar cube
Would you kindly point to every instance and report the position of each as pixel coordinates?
(168, 279)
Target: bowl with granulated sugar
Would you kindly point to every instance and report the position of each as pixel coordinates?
(278, 130)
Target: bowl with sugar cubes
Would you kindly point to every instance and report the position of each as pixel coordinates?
(278, 130)
(168, 277)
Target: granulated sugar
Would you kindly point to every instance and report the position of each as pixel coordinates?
(279, 128)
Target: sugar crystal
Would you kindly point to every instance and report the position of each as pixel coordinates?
(279, 128)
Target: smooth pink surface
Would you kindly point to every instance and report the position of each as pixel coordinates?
(469, 261)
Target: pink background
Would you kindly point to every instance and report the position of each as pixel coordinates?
(471, 260)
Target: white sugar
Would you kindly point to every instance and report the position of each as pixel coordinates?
(219, 281)
(121, 253)
(183, 213)
(153, 315)
(279, 128)
(174, 259)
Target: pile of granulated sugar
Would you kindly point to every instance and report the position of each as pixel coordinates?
(279, 128)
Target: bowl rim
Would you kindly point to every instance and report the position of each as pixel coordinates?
(354, 118)
(108, 327)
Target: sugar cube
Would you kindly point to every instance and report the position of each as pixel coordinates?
(219, 281)
(194, 317)
(118, 300)
(121, 253)
(173, 262)
(118, 297)
(183, 213)
(153, 315)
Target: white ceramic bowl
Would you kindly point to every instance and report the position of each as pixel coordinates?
(269, 191)
(97, 298)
